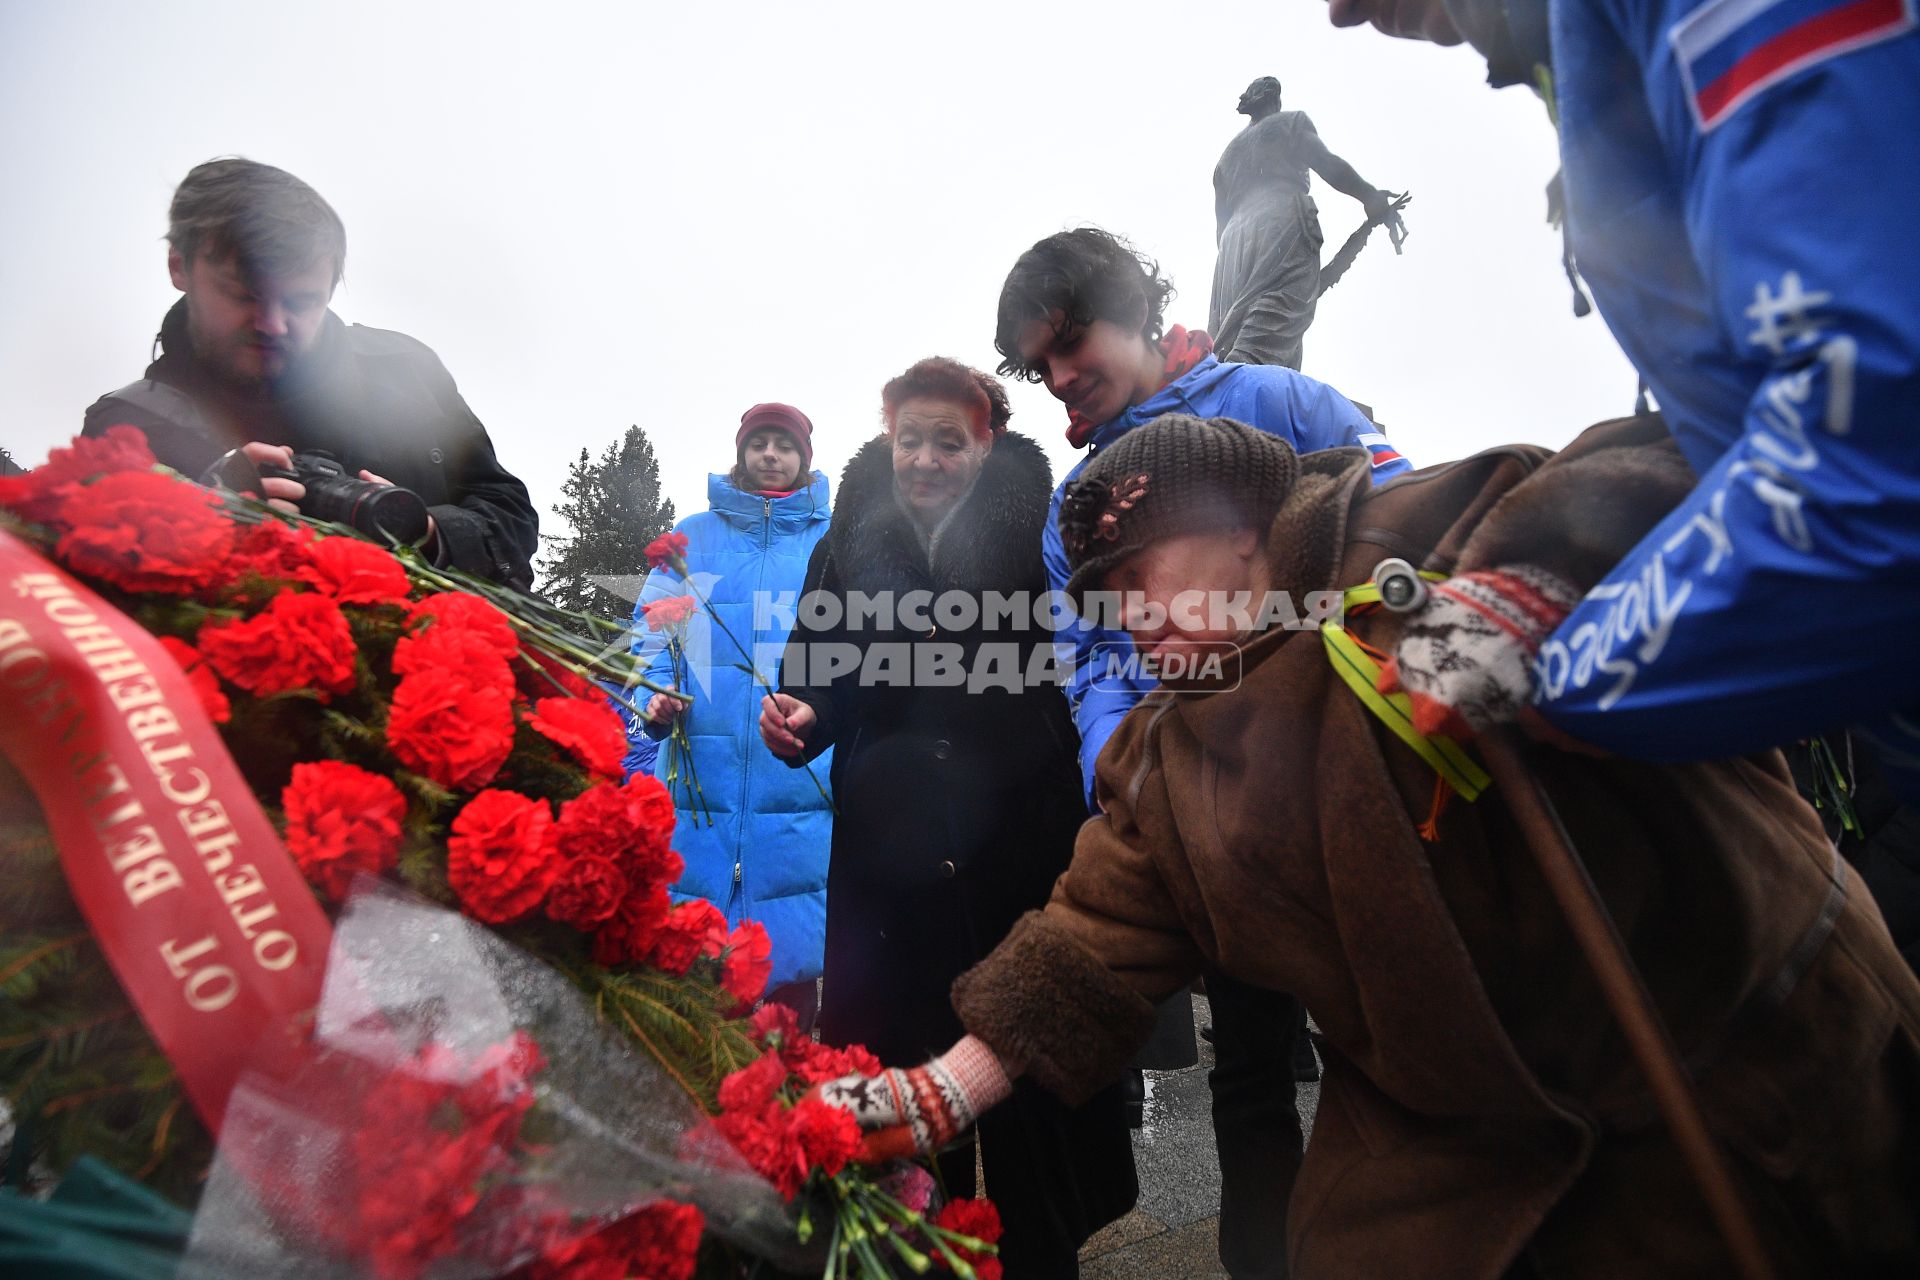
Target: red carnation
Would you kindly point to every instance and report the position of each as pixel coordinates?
(775, 1025)
(652, 814)
(754, 1086)
(341, 820)
(429, 1140)
(453, 731)
(753, 1118)
(459, 651)
(272, 551)
(589, 730)
(144, 531)
(815, 1063)
(767, 1144)
(468, 611)
(39, 495)
(828, 1136)
(596, 823)
(298, 642)
(206, 686)
(660, 1241)
(670, 612)
(499, 859)
(693, 929)
(747, 962)
(630, 824)
(586, 892)
(783, 1144)
(627, 936)
(976, 1218)
(668, 551)
(354, 572)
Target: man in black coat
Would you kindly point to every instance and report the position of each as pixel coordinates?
(252, 358)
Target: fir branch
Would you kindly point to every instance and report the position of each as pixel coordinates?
(22, 975)
(64, 1031)
(683, 1023)
(431, 795)
(706, 1101)
(345, 733)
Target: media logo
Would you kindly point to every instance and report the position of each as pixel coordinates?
(1213, 665)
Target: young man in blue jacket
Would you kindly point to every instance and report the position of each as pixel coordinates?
(1741, 177)
(1084, 314)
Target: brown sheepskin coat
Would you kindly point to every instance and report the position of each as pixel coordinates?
(1481, 1115)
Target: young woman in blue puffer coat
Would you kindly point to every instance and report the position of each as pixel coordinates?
(763, 856)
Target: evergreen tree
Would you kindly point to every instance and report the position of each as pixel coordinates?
(613, 509)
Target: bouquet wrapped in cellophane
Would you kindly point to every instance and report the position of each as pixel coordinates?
(475, 1036)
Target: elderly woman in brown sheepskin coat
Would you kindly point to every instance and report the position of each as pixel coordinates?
(1481, 1117)
(955, 778)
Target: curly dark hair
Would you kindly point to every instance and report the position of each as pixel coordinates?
(939, 378)
(1085, 274)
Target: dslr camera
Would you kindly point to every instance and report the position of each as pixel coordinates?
(383, 512)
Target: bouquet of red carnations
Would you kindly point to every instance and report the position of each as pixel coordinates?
(332, 859)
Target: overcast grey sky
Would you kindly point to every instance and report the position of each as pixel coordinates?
(603, 214)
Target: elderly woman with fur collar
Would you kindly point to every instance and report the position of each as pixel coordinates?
(954, 771)
(1480, 1116)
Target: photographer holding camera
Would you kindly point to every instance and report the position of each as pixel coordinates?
(345, 422)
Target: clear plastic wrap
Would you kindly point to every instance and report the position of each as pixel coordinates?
(462, 1110)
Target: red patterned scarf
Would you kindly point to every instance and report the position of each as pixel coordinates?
(1182, 348)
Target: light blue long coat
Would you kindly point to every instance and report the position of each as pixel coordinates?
(764, 856)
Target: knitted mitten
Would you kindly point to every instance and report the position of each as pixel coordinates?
(1465, 660)
(921, 1109)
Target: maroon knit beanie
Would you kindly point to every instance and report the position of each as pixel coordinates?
(784, 417)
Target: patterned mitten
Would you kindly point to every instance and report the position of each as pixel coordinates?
(919, 1110)
(1465, 660)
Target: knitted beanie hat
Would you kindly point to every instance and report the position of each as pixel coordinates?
(782, 417)
(1173, 475)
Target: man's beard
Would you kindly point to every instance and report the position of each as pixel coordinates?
(246, 366)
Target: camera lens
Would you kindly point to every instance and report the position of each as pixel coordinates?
(388, 512)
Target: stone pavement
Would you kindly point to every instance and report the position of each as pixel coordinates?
(1172, 1232)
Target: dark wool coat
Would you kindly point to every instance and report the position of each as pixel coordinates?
(1480, 1110)
(374, 399)
(958, 809)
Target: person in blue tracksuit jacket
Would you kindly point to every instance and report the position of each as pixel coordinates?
(1082, 313)
(763, 855)
(1741, 179)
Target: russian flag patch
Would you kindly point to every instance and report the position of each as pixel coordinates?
(1377, 445)
(1731, 50)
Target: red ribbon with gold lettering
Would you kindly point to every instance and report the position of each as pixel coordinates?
(200, 910)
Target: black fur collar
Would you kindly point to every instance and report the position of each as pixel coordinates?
(992, 544)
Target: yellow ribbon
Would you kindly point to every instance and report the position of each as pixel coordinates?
(1395, 710)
